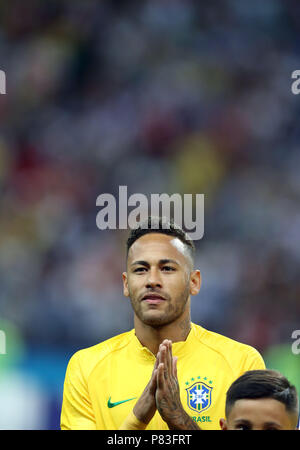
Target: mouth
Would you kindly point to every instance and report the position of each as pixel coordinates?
(153, 299)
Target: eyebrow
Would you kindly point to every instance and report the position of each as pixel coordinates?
(160, 262)
(247, 422)
(272, 423)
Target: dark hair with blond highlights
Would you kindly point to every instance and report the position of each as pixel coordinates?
(163, 226)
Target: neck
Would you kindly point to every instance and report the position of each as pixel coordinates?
(151, 337)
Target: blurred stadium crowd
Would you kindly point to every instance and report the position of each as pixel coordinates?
(160, 96)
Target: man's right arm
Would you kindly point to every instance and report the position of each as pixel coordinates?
(145, 407)
(77, 412)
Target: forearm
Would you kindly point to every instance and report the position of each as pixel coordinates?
(182, 421)
(145, 408)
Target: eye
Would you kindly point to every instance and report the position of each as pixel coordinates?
(168, 269)
(242, 427)
(139, 269)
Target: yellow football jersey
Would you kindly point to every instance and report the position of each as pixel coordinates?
(103, 382)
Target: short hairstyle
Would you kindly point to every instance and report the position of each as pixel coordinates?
(164, 226)
(256, 384)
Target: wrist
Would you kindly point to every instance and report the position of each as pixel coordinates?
(181, 421)
(141, 416)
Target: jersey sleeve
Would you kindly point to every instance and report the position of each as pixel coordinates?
(77, 412)
(132, 423)
(253, 361)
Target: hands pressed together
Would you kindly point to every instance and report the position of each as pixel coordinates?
(162, 393)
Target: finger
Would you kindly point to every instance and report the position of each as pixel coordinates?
(175, 359)
(160, 376)
(170, 357)
(156, 361)
(166, 363)
(167, 356)
(163, 356)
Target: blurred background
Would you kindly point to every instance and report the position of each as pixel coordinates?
(172, 96)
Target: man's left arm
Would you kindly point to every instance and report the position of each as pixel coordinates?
(253, 361)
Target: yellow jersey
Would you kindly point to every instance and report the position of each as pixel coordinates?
(103, 382)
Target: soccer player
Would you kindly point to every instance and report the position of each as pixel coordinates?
(261, 400)
(104, 382)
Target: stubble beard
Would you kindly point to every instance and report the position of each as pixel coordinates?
(173, 311)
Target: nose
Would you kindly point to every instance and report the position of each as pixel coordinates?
(153, 279)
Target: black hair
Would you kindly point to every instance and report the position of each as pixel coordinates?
(161, 225)
(256, 384)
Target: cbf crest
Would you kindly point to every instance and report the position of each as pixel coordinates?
(199, 396)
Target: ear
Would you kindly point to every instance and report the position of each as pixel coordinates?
(125, 284)
(223, 424)
(195, 282)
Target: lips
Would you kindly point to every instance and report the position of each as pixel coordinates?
(153, 298)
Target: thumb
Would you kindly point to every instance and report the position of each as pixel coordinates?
(153, 382)
(153, 379)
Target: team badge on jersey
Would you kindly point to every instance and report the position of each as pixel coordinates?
(199, 396)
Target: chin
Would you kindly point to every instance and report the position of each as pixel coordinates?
(155, 320)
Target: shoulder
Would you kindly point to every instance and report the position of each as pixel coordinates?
(219, 342)
(235, 353)
(85, 360)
